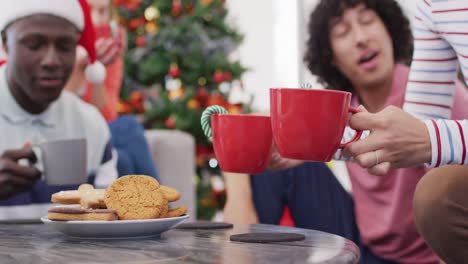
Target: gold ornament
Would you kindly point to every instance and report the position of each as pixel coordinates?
(202, 81)
(152, 13)
(193, 104)
(206, 2)
(208, 17)
(176, 94)
(152, 27)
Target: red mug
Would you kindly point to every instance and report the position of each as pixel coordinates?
(242, 143)
(308, 124)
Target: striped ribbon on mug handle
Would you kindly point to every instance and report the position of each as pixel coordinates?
(206, 120)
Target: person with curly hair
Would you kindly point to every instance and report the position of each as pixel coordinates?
(360, 46)
(423, 135)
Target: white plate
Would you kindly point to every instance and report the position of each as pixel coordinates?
(121, 229)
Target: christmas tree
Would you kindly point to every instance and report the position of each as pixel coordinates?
(177, 64)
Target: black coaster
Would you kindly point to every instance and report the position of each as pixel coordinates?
(205, 225)
(267, 237)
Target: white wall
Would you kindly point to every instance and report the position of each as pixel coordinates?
(271, 45)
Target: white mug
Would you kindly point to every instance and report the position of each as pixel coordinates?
(63, 162)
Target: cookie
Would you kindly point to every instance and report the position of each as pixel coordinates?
(86, 196)
(81, 214)
(170, 193)
(175, 212)
(135, 197)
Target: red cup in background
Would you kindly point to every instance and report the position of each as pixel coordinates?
(242, 143)
(308, 124)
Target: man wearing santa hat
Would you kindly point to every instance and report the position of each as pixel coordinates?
(40, 40)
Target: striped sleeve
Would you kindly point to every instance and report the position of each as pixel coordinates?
(448, 140)
(431, 86)
(431, 83)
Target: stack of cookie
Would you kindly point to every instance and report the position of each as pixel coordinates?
(133, 197)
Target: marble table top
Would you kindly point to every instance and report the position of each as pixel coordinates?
(40, 244)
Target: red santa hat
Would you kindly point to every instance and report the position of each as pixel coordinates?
(76, 11)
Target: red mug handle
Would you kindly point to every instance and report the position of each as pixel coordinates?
(352, 110)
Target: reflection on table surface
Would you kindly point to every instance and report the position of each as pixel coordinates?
(40, 244)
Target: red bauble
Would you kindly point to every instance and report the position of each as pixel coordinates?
(170, 123)
(177, 8)
(174, 71)
(202, 96)
(135, 23)
(227, 76)
(140, 41)
(218, 77)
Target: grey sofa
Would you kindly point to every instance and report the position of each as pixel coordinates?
(174, 154)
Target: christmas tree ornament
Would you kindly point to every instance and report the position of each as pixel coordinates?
(140, 41)
(176, 94)
(206, 2)
(208, 17)
(193, 104)
(174, 70)
(189, 8)
(227, 76)
(177, 8)
(173, 84)
(225, 87)
(202, 81)
(202, 95)
(152, 13)
(218, 76)
(135, 23)
(170, 122)
(151, 27)
(235, 109)
(217, 99)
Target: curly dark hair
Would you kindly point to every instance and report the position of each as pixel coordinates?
(319, 53)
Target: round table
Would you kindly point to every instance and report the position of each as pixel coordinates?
(39, 244)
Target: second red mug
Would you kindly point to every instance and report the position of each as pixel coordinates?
(308, 124)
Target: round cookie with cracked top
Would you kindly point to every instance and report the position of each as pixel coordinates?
(136, 197)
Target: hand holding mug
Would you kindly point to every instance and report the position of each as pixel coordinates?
(397, 138)
(16, 178)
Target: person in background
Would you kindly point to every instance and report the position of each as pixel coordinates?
(360, 47)
(134, 156)
(423, 135)
(40, 39)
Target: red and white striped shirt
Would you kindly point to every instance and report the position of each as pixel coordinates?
(441, 49)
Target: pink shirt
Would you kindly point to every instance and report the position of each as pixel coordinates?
(384, 205)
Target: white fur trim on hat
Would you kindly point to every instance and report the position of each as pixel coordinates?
(95, 73)
(68, 9)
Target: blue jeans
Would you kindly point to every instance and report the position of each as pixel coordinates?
(316, 201)
(134, 156)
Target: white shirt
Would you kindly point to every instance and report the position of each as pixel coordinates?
(67, 118)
